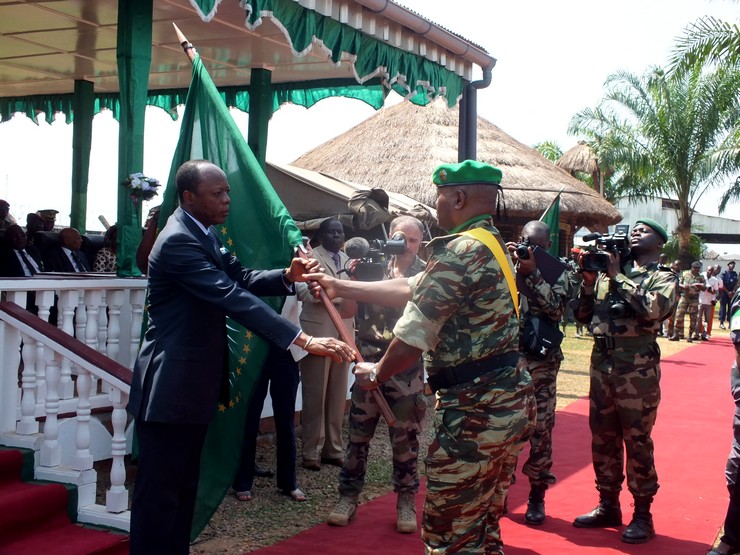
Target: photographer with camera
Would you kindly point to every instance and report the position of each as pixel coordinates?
(540, 337)
(625, 304)
(690, 285)
(404, 393)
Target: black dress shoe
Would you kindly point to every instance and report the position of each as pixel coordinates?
(263, 472)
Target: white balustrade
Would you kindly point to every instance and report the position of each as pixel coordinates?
(55, 382)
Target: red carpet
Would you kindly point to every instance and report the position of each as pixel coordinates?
(692, 437)
(34, 519)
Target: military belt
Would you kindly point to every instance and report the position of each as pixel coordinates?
(442, 378)
(610, 342)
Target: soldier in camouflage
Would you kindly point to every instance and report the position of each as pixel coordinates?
(404, 393)
(691, 283)
(671, 320)
(462, 314)
(625, 305)
(548, 303)
(574, 286)
(730, 540)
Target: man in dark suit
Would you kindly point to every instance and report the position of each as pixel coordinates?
(67, 257)
(182, 369)
(18, 259)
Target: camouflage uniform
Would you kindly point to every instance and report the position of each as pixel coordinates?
(689, 302)
(625, 374)
(461, 311)
(405, 395)
(574, 281)
(550, 302)
(731, 535)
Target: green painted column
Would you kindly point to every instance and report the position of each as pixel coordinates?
(260, 112)
(134, 54)
(83, 106)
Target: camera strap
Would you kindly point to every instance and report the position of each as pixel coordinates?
(487, 238)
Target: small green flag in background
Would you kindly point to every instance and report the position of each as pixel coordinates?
(552, 218)
(262, 234)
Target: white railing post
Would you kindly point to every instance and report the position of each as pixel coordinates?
(103, 322)
(83, 459)
(93, 298)
(116, 498)
(51, 451)
(68, 301)
(137, 308)
(11, 358)
(28, 424)
(115, 301)
(44, 300)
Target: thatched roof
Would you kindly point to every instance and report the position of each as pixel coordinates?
(580, 158)
(399, 148)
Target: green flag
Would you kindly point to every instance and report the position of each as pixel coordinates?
(552, 218)
(262, 234)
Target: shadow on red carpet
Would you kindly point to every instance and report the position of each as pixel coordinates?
(692, 437)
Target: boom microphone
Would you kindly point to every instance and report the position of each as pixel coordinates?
(357, 247)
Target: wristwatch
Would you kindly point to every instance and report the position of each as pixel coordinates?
(374, 374)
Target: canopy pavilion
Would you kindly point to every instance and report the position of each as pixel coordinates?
(80, 56)
(403, 144)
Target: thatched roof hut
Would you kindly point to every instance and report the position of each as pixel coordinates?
(399, 148)
(580, 158)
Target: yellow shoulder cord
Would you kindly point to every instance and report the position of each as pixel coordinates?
(487, 238)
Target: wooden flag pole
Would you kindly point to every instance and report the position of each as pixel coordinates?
(551, 203)
(336, 319)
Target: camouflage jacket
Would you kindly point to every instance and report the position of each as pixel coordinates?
(687, 278)
(649, 294)
(550, 301)
(374, 323)
(461, 308)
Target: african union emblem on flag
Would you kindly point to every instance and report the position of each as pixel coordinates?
(261, 233)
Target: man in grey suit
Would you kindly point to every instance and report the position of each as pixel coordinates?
(181, 372)
(324, 382)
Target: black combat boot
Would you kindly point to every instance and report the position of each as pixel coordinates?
(641, 529)
(535, 514)
(607, 514)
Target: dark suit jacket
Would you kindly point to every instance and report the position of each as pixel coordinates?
(10, 266)
(182, 365)
(58, 261)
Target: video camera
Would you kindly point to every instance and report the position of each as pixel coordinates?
(373, 255)
(617, 243)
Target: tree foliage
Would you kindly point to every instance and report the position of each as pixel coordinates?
(666, 135)
(550, 150)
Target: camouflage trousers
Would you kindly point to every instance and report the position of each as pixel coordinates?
(405, 395)
(690, 307)
(544, 378)
(480, 429)
(624, 399)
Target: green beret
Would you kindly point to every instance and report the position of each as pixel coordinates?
(659, 229)
(469, 172)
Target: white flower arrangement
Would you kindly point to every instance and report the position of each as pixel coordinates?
(141, 186)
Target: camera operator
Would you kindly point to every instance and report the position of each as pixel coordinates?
(404, 393)
(541, 312)
(625, 304)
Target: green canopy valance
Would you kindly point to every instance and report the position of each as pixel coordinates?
(412, 76)
(303, 94)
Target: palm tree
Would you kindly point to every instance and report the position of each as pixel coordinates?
(712, 42)
(665, 135)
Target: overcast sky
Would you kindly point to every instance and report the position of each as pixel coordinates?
(553, 58)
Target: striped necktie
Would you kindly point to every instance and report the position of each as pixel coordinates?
(29, 265)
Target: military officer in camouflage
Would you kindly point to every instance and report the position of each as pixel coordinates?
(404, 393)
(548, 303)
(625, 305)
(691, 283)
(462, 314)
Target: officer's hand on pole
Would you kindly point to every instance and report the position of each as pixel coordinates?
(317, 281)
(327, 347)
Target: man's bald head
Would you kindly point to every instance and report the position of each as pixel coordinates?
(69, 237)
(192, 173)
(538, 233)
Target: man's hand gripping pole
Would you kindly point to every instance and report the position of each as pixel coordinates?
(345, 336)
